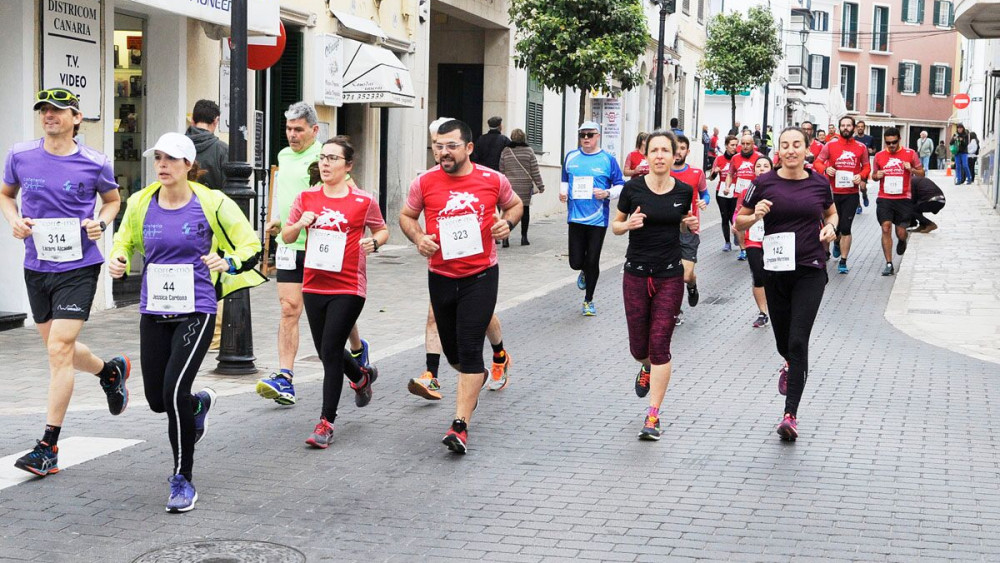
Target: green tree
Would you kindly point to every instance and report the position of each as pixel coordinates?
(582, 44)
(741, 52)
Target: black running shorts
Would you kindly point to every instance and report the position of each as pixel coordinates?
(62, 295)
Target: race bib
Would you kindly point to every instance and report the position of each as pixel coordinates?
(779, 252)
(756, 232)
(892, 185)
(460, 235)
(583, 187)
(725, 190)
(843, 179)
(57, 240)
(170, 288)
(742, 184)
(325, 250)
(284, 258)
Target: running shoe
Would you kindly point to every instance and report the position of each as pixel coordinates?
(457, 436)
(277, 387)
(762, 321)
(581, 282)
(41, 461)
(693, 295)
(864, 198)
(363, 358)
(836, 249)
(114, 384)
(182, 495)
(322, 435)
(901, 246)
(727, 247)
(927, 228)
(363, 393)
(783, 379)
(888, 270)
(425, 386)
(642, 382)
(679, 319)
(650, 428)
(859, 211)
(742, 257)
(588, 309)
(787, 428)
(498, 374)
(207, 398)
(842, 267)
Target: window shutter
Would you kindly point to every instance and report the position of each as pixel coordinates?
(826, 72)
(906, 8)
(916, 79)
(947, 81)
(937, 11)
(535, 119)
(933, 80)
(951, 14)
(901, 82)
(920, 10)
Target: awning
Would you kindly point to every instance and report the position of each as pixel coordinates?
(262, 15)
(358, 27)
(978, 19)
(373, 75)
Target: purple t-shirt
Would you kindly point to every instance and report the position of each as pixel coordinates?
(797, 206)
(179, 236)
(54, 187)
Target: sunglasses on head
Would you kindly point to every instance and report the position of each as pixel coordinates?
(588, 135)
(56, 95)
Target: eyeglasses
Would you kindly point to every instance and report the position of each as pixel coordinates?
(331, 158)
(57, 94)
(450, 146)
(588, 135)
(892, 143)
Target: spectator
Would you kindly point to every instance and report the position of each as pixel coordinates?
(518, 163)
(864, 138)
(960, 146)
(635, 162)
(941, 152)
(973, 156)
(925, 147)
(489, 145)
(706, 144)
(927, 198)
(713, 149)
(735, 129)
(212, 154)
(675, 126)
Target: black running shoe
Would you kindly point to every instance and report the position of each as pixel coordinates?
(114, 384)
(901, 246)
(693, 295)
(363, 393)
(41, 461)
(642, 382)
(888, 270)
(207, 397)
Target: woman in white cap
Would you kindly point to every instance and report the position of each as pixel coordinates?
(179, 227)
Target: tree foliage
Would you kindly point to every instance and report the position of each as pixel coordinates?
(580, 44)
(741, 52)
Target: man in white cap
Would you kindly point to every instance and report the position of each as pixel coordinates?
(591, 177)
(59, 181)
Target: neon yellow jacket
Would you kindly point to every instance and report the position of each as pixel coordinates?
(231, 231)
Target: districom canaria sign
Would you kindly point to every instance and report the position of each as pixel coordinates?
(71, 50)
(262, 15)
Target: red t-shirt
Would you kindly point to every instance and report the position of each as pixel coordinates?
(722, 163)
(349, 214)
(443, 197)
(636, 161)
(694, 177)
(742, 168)
(892, 165)
(751, 233)
(844, 156)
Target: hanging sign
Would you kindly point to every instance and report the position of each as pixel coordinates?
(71, 50)
(329, 70)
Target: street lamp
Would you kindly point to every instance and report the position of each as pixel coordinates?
(666, 7)
(236, 348)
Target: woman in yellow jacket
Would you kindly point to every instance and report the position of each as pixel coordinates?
(179, 227)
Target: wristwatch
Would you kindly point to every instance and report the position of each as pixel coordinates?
(510, 225)
(103, 226)
(375, 244)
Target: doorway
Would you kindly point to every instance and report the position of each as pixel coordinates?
(460, 94)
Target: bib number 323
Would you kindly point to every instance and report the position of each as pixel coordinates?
(460, 236)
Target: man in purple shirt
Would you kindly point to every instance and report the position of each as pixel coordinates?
(59, 181)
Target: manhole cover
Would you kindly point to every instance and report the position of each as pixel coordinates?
(224, 551)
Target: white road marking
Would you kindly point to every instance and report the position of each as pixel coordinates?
(72, 451)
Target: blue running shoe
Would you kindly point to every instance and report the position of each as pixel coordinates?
(842, 267)
(41, 461)
(743, 256)
(182, 495)
(836, 249)
(278, 388)
(365, 359)
(588, 309)
(727, 247)
(207, 399)
(581, 282)
(859, 210)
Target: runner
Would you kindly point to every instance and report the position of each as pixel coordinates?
(59, 181)
(690, 241)
(334, 282)
(635, 162)
(795, 202)
(655, 210)
(301, 128)
(815, 146)
(178, 226)
(741, 173)
(755, 251)
(724, 191)
(894, 166)
(845, 163)
(427, 385)
(458, 200)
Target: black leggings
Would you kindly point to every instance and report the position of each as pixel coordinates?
(463, 308)
(585, 244)
(170, 352)
(793, 300)
(331, 318)
(727, 206)
(525, 219)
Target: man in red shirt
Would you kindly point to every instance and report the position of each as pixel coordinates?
(895, 167)
(814, 145)
(724, 194)
(741, 173)
(695, 178)
(845, 162)
(459, 201)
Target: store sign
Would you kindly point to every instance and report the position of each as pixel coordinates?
(329, 70)
(224, 98)
(262, 15)
(71, 50)
(608, 112)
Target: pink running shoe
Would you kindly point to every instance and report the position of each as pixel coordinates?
(787, 428)
(783, 379)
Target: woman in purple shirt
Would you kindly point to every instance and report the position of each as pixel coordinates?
(801, 221)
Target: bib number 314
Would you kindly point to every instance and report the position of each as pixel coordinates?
(58, 240)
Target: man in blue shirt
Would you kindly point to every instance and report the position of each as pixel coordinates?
(591, 178)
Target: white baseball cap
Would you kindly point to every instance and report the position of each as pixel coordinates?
(589, 125)
(175, 145)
